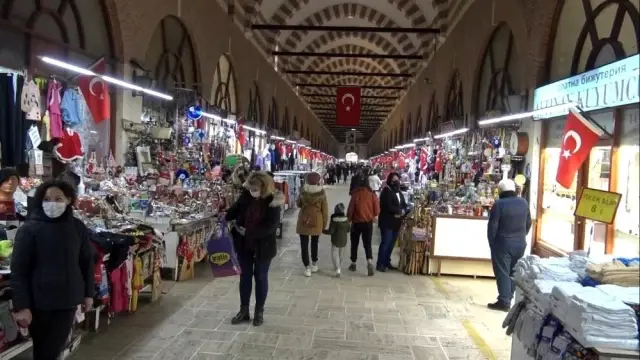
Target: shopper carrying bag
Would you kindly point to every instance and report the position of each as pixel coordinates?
(257, 217)
(312, 219)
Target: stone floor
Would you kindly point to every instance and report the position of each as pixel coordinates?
(389, 316)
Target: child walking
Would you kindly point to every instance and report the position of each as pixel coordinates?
(339, 231)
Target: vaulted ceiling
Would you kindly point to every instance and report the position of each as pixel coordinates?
(352, 48)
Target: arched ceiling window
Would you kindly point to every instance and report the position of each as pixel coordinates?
(172, 57)
(223, 94)
(80, 31)
(273, 114)
(498, 76)
(254, 113)
(419, 122)
(401, 130)
(455, 105)
(433, 118)
(593, 33)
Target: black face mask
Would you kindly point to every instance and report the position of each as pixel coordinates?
(395, 185)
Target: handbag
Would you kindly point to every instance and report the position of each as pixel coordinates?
(221, 253)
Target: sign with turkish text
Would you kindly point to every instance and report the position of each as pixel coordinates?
(598, 205)
(348, 106)
(608, 86)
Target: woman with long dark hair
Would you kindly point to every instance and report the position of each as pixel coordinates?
(51, 269)
(257, 217)
(392, 208)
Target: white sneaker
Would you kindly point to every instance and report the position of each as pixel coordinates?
(337, 272)
(307, 272)
(314, 267)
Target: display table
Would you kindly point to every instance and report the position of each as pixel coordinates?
(186, 245)
(459, 246)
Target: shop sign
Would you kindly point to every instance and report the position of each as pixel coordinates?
(598, 205)
(609, 86)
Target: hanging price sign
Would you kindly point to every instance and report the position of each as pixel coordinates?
(598, 205)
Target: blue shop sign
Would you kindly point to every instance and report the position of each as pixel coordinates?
(608, 86)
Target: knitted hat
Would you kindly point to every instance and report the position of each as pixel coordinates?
(506, 185)
(313, 178)
(7, 173)
(339, 208)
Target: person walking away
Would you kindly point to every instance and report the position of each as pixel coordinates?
(392, 208)
(356, 179)
(345, 173)
(339, 230)
(374, 181)
(52, 269)
(363, 210)
(338, 172)
(257, 216)
(509, 223)
(312, 219)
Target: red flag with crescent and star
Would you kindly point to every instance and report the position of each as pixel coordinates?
(96, 92)
(348, 106)
(580, 136)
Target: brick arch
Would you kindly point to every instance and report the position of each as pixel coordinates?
(372, 65)
(386, 64)
(327, 38)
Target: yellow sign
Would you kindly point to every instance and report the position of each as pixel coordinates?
(598, 205)
(220, 258)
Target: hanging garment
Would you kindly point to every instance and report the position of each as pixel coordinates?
(71, 106)
(45, 132)
(137, 282)
(70, 147)
(30, 101)
(13, 126)
(119, 296)
(53, 107)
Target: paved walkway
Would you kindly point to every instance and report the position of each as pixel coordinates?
(389, 316)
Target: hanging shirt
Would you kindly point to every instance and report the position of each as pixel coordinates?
(72, 110)
(30, 101)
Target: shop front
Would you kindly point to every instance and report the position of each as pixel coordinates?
(608, 95)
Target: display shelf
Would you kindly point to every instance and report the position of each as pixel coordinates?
(16, 350)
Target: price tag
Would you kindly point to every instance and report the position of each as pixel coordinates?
(598, 205)
(34, 136)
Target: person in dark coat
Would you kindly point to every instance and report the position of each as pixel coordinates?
(339, 171)
(52, 269)
(393, 207)
(509, 223)
(257, 217)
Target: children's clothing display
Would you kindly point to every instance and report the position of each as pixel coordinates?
(54, 98)
(30, 101)
(70, 147)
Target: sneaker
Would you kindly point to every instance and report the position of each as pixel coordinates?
(314, 267)
(498, 306)
(352, 267)
(370, 271)
(307, 272)
(337, 272)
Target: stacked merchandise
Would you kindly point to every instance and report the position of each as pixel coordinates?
(623, 272)
(559, 318)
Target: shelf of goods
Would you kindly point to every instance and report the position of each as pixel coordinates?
(556, 317)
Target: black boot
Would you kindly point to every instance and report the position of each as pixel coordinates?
(258, 317)
(241, 316)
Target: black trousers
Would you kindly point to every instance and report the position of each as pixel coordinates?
(366, 230)
(304, 246)
(49, 331)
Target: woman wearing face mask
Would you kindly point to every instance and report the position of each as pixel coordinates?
(257, 217)
(51, 269)
(392, 208)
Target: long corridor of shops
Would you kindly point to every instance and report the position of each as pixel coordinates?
(390, 316)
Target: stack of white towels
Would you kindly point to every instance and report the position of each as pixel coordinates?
(579, 261)
(596, 317)
(532, 267)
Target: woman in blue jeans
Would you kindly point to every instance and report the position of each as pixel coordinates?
(392, 208)
(257, 217)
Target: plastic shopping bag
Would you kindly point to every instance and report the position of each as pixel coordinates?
(221, 254)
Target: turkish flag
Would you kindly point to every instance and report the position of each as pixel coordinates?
(96, 92)
(580, 136)
(348, 106)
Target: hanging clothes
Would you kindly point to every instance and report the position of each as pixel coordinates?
(53, 107)
(137, 282)
(13, 126)
(72, 108)
(69, 148)
(30, 101)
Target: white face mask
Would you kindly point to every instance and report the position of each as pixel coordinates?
(255, 194)
(54, 209)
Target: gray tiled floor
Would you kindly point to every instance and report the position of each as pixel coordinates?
(390, 316)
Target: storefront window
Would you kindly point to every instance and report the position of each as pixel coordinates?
(627, 224)
(599, 174)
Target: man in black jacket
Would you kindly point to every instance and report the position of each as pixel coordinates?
(509, 223)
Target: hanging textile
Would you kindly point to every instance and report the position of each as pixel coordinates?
(13, 126)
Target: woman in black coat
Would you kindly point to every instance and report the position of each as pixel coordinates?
(257, 217)
(392, 208)
(52, 269)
